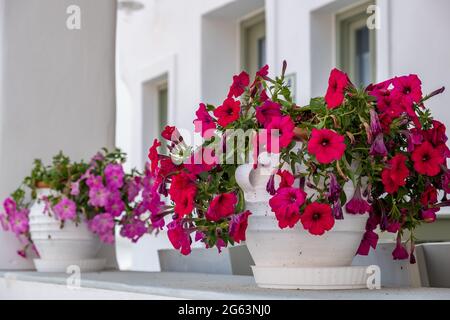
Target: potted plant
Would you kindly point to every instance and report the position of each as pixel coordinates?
(66, 210)
(318, 182)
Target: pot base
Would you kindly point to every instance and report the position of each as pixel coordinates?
(335, 278)
(85, 265)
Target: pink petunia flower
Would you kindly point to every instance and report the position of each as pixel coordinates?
(65, 209)
(114, 175)
(134, 230)
(103, 226)
(98, 197)
(19, 222)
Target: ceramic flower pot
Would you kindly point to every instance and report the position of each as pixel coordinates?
(293, 258)
(60, 248)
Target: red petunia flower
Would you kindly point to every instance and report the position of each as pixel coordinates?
(222, 206)
(286, 206)
(240, 83)
(395, 175)
(238, 226)
(287, 179)
(228, 112)
(267, 112)
(281, 129)
(429, 196)
(179, 237)
(326, 145)
(182, 192)
(409, 87)
(317, 218)
(263, 72)
(168, 134)
(204, 123)
(427, 160)
(153, 155)
(337, 84)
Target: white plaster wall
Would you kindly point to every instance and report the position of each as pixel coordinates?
(57, 89)
(419, 44)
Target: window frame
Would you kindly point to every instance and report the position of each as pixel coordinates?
(244, 26)
(347, 22)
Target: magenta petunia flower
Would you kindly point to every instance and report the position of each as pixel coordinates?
(134, 187)
(429, 215)
(286, 206)
(240, 83)
(378, 147)
(114, 175)
(326, 145)
(19, 222)
(134, 230)
(267, 111)
(103, 225)
(400, 252)
(65, 209)
(75, 188)
(10, 206)
(357, 205)
(281, 130)
(94, 181)
(98, 197)
(205, 123)
(369, 240)
(115, 205)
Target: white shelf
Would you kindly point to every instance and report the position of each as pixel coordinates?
(142, 285)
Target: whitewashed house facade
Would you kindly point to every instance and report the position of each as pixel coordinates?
(173, 54)
(57, 86)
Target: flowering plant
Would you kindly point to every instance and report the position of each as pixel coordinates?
(99, 193)
(381, 139)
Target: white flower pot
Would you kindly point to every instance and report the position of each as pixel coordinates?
(59, 249)
(293, 258)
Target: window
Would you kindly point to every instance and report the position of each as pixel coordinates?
(163, 103)
(155, 112)
(253, 35)
(356, 45)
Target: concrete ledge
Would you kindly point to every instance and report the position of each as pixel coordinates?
(141, 285)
